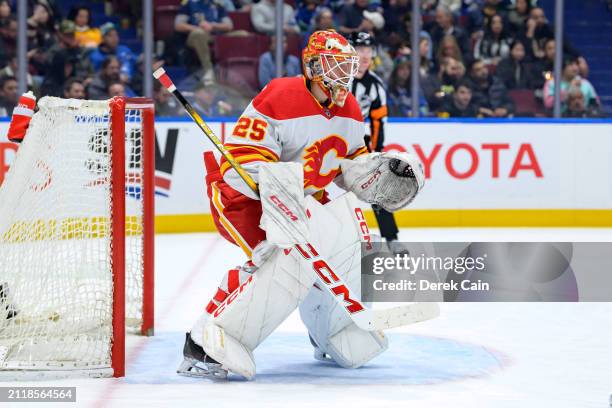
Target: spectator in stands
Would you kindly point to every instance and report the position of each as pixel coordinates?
(489, 93)
(11, 70)
(305, 13)
(537, 34)
(207, 102)
(8, 39)
(393, 13)
(108, 74)
(86, 36)
(578, 108)
(74, 88)
(41, 36)
(267, 63)
(494, 44)
(263, 17)
(116, 89)
(398, 41)
(460, 104)
(381, 62)
(200, 20)
(544, 67)
(65, 60)
(400, 94)
(351, 18)
(6, 13)
(514, 71)
(8, 95)
(479, 17)
(518, 16)
(448, 47)
(570, 78)
(444, 26)
(165, 102)
(425, 53)
(436, 87)
(454, 6)
(323, 20)
(110, 47)
(136, 84)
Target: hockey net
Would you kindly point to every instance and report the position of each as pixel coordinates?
(76, 237)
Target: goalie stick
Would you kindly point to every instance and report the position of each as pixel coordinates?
(364, 318)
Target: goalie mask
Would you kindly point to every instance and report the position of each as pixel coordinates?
(331, 63)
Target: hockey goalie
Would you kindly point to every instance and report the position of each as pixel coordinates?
(294, 139)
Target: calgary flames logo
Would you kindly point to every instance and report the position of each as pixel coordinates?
(314, 173)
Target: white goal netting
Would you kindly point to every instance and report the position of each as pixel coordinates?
(56, 238)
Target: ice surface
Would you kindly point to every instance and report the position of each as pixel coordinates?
(473, 355)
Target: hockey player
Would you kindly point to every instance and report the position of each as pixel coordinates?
(371, 95)
(312, 120)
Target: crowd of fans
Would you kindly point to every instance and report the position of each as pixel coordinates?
(473, 54)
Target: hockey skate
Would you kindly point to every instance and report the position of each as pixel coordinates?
(197, 364)
(319, 354)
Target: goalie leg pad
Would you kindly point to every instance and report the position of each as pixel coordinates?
(233, 355)
(247, 315)
(336, 335)
(265, 297)
(330, 328)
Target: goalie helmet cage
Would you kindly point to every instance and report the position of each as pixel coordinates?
(76, 239)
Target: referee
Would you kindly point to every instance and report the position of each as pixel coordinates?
(370, 93)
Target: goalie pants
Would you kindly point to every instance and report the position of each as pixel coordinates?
(235, 215)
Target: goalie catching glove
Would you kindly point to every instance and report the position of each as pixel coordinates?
(391, 179)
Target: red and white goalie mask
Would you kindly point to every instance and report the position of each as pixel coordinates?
(332, 63)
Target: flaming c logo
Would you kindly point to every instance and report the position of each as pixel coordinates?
(314, 157)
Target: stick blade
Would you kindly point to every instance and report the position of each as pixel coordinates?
(404, 315)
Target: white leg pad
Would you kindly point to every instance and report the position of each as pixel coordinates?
(254, 310)
(329, 326)
(232, 354)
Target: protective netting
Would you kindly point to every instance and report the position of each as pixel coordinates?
(55, 239)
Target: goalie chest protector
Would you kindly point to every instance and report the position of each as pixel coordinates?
(286, 123)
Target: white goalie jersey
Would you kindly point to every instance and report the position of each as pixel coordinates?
(285, 123)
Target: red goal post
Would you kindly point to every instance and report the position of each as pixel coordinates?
(77, 239)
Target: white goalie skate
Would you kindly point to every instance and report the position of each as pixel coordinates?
(197, 364)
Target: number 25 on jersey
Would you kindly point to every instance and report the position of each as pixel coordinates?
(252, 128)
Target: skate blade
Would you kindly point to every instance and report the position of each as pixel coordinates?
(197, 369)
(321, 356)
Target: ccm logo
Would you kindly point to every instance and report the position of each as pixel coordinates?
(363, 226)
(371, 180)
(283, 208)
(330, 278)
(232, 297)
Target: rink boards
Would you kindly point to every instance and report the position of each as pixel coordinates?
(479, 173)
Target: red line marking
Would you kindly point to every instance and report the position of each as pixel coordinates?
(111, 387)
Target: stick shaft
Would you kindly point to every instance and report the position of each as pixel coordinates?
(163, 77)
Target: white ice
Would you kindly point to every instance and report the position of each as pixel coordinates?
(474, 355)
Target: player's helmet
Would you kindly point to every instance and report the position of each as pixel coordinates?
(361, 39)
(330, 62)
